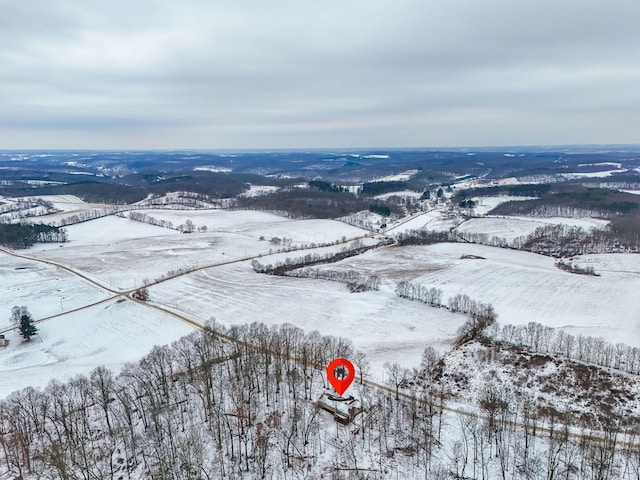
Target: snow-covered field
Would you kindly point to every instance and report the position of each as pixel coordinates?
(109, 334)
(384, 327)
(485, 204)
(398, 177)
(505, 228)
(106, 231)
(125, 264)
(522, 286)
(255, 224)
(602, 174)
(67, 203)
(402, 193)
(45, 289)
(258, 190)
(510, 228)
(433, 220)
(121, 253)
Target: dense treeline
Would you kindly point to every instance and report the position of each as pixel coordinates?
(424, 237)
(380, 187)
(289, 264)
(559, 240)
(88, 215)
(356, 281)
(521, 190)
(134, 188)
(565, 241)
(601, 201)
(551, 239)
(383, 210)
(97, 192)
(305, 203)
(19, 235)
(326, 186)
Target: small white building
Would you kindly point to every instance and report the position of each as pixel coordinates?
(3, 341)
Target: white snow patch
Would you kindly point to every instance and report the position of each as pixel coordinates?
(524, 287)
(510, 228)
(403, 193)
(485, 204)
(574, 175)
(45, 290)
(111, 334)
(437, 220)
(259, 190)
(399, 177)
(212, 168)
(383, 326)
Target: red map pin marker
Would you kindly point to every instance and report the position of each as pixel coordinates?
(340, 373)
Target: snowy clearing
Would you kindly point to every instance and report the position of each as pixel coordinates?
(402, 194)
(44, 289)
(522, 286)
(510, 228)
(66, 203)
(105, 231)
(127, 263)
(398, 177)
(386, 328)
(606, 173)
(485, 204)
(122, 253)
(260, 224)
(437, 220)
(110, 335)
(259, 190)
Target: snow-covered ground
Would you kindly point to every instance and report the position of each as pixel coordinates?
(522, 286)
(106, 231)
(398, 177)
(403, 193)
(120, 253)
(602, 174)
(44, 289)
(437, 220)
(66, 203)
(386, 328)
(510, 228)
(212, 168)
(125, 264)
(110, 334)
(255, 224)
(485, 204)
(258, 190)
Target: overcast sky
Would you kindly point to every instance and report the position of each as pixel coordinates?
(326, 73)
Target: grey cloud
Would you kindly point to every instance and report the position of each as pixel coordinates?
(296, 73)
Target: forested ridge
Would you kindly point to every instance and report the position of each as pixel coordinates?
(208, 408)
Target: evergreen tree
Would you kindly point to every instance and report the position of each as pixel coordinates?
(27, 328)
